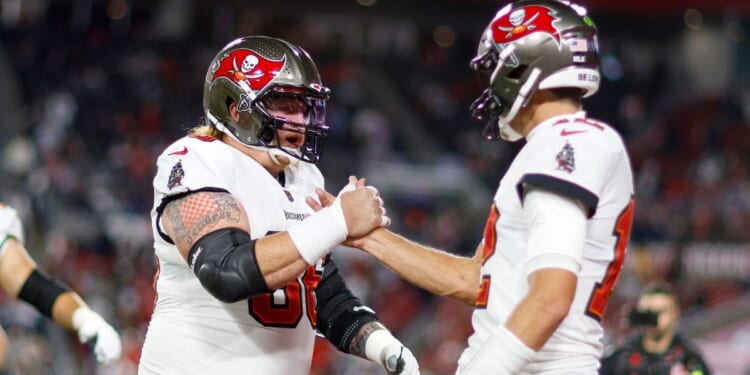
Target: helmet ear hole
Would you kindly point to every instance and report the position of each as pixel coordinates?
(266, 134)
(517, 72)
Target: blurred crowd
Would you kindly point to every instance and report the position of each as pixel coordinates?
(91, 96)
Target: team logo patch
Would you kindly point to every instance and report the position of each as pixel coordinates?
(175, 176)
(248, 70)
(566, 159)
(521, 23)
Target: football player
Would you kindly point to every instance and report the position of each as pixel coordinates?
(245, 278)
(21, 278)
(560, 221)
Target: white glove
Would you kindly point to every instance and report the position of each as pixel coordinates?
(10, 223)
(90, 324)
(396, 359)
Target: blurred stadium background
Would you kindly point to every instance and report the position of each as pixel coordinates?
(92, 90)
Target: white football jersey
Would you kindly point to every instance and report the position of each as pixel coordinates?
(191, 332)
(10, 226)
(579, 158)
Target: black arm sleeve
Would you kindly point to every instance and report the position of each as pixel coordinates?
(41, 292)
(224, 261)
(340, 313)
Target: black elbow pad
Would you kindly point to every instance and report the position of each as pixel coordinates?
(224, 262)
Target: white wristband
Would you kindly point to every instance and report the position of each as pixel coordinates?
(502, 353)
(375, 343)
(315, 236)
(338, 214)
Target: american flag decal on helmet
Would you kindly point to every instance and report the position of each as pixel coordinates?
(566, 159)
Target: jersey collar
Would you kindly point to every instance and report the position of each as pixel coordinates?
(554, 120)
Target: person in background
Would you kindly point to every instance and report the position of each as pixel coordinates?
(245, 278)
(22, 279)
(657, 348)
(559, 224)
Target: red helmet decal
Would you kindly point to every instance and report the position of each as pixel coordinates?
(244, 65)
(522, 22)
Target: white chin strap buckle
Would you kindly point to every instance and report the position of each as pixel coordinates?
(507, 132)
(274, 154)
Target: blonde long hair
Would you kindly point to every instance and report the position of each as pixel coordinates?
(203, 129)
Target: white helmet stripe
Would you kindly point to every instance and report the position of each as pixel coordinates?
(584, 78)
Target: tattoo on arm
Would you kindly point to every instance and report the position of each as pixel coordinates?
(195, 215)
(357, 346)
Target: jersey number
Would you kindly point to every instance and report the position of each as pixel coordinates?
(490, 240)
(603, 290)
(284, 307)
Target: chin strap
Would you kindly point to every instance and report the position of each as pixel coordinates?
(506, 131)
(273, 152)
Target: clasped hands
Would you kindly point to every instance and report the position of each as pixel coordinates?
(361, 204)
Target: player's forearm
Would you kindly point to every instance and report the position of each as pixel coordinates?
(64, 308)
(279, 260)
(357, 346)
(543, 309)
(434, 270)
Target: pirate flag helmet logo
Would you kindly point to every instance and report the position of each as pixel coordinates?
(248, 69)
(522, 22)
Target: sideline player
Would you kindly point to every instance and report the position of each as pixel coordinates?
(21, 279)
(559, 223)
(245, 277)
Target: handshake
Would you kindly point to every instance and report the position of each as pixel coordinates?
(361, 207)
(355, 212)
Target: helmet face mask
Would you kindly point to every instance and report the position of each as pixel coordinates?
(531, 45)
(313, 128)
(485, 110)
(252, 72)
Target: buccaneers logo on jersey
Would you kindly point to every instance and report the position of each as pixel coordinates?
(522, 22)
(247, 69)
